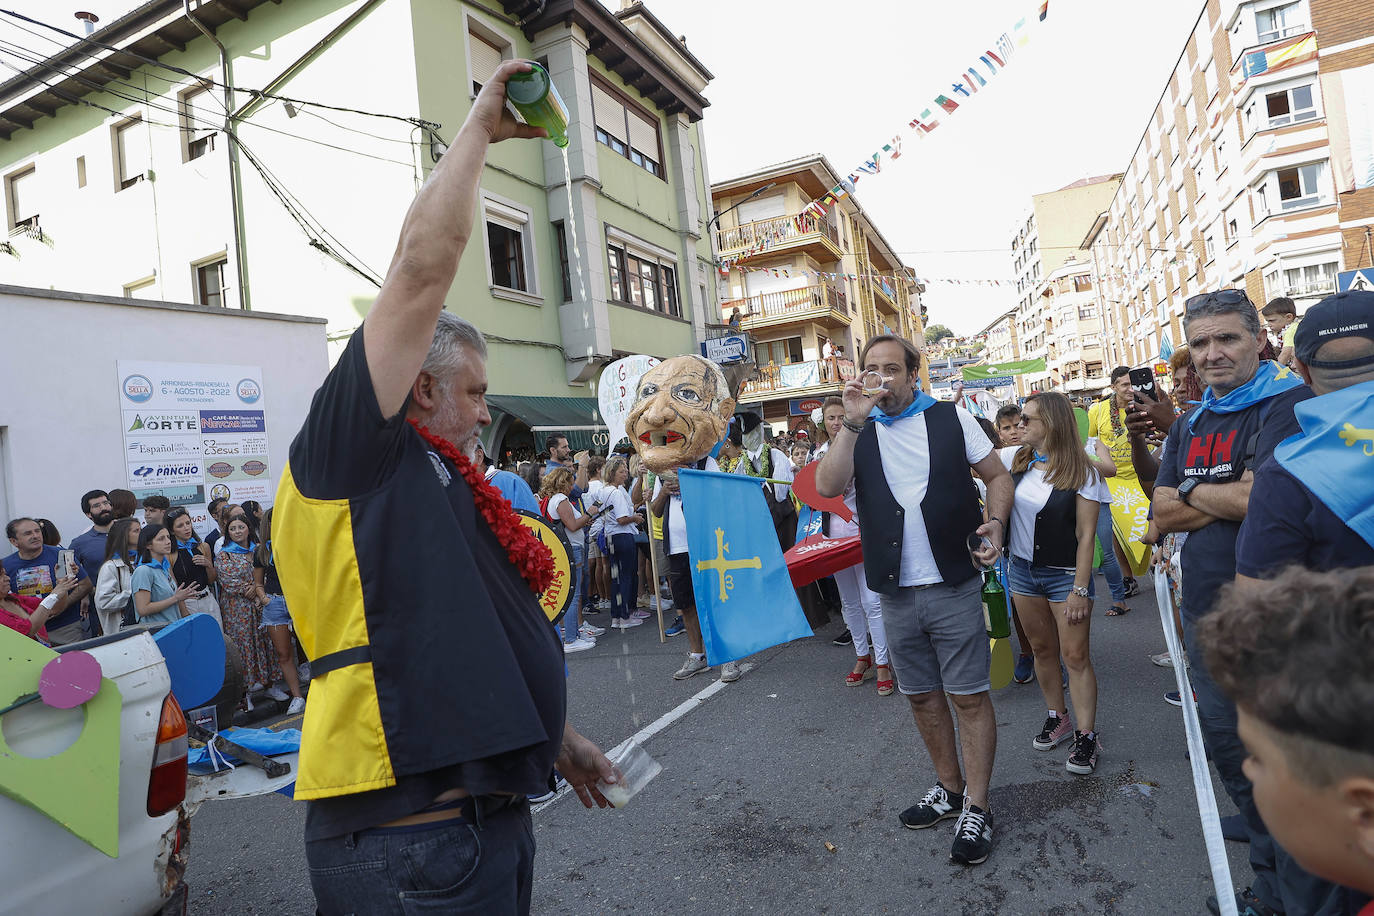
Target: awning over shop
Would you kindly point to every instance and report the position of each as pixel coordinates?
(577, 418)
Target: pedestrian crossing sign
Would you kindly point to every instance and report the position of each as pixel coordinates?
(1360, 279)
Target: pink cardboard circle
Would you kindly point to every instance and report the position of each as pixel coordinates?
(69, 680)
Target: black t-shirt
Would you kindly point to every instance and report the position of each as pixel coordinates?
(185, 569)
(347, 450)
(1214, 451)
(1288, 524)
(270, 583)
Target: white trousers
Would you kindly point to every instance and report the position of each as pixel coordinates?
(863, 613)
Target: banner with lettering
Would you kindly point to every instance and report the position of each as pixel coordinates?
(194, 432)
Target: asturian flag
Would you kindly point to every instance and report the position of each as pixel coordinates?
(745, 599)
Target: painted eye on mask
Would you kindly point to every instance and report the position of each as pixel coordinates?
(687, 396)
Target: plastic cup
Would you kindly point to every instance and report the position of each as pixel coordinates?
(637, 768)
(874, 382)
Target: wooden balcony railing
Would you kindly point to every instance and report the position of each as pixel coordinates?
(777, 231)
(787, 303)
(807, 374)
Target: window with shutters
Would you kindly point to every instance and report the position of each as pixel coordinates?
(560, 241)
(626, 127)
(197, 123)
(510, 250)
(642, 278)
(130, 140)
(486, 51)
(20, 198)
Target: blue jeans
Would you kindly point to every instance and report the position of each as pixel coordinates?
(1279, 881)
(455, 867)
(1048, 582)
(624, 575)
(579, 563)
(1110, 568)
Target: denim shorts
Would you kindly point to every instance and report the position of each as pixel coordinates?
(274, 614)
(1052, 582)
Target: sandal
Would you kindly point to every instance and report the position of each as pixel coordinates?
(855, 678)
(1118, 610)
(885, 687)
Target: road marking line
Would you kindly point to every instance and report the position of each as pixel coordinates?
(653, 728)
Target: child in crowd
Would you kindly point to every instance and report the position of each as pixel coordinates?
(1294, 655)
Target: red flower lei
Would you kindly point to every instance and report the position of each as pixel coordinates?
(525, 550)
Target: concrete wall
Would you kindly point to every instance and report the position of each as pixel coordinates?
(60, 418)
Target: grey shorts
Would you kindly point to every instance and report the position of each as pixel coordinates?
(937, 640)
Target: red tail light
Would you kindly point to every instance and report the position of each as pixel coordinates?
(167, 784)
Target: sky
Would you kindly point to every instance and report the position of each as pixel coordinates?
(796, 77)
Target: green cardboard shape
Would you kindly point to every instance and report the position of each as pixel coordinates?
(78, 788)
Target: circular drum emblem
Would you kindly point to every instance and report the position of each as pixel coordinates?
(248, 391)
(219, 491)
(558, 595)
(253, 467)
(137, 388)
(220, 469)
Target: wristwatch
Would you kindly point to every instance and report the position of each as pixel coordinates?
(1186, 488)
(1081, 591)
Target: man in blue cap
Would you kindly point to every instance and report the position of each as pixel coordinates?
(1307, 507)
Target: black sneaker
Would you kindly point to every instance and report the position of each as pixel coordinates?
(1132, 586)
(972, 837)
(1083, 758)
(1247, 904)
(844, 639)
(937, 805)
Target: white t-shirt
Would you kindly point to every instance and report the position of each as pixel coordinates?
(1031, 495)
(577, 538)
(596, 492)
(1091, 448)
(839, 528)
(677, 523)
(905, 450)
(620, 508)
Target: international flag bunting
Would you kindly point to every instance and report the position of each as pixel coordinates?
(745, 599)
(967, 84)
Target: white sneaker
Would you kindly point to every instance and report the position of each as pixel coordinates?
(729, 672)
(255, 687)
(581, 644)
(625, 624)
(276, 693)
(303, 669)
(604, 604)
(1163, 660)
(588, 630)
(297, 705)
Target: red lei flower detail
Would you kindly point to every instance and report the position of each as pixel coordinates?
(523, 547)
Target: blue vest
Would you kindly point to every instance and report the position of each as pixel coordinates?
(950, 507)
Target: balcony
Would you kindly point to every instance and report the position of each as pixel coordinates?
(815, 236)
(810, 377)
(884, 296)
(825, 304)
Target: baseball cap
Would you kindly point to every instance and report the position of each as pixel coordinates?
(1347, 314)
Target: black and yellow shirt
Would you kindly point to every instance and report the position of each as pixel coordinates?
(454, 678)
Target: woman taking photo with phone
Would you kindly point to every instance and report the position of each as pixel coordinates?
(1053, 521)
(192, 562)
(242, 616)
(157, 599)
(114, 582)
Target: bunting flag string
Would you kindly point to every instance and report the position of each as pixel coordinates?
(965, 86)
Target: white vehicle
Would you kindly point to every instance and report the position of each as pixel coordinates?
(48, 871)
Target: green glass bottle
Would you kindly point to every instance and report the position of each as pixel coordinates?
(995, 616)
(534, 96)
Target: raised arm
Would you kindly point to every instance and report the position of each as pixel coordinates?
(400, 326)
(837, 467)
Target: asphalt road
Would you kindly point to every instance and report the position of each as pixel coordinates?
(761, 775)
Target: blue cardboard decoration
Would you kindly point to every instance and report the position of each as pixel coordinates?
(194, 649)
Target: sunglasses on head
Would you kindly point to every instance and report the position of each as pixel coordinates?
(1220, 297)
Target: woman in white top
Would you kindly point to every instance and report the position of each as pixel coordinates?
(554, 493)
(114, 583)
(862, 608)
(598, 595)
(622, 522)
(1053, 522)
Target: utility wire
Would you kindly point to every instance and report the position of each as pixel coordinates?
(256, 93)
(147, 99)
(310, 225)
